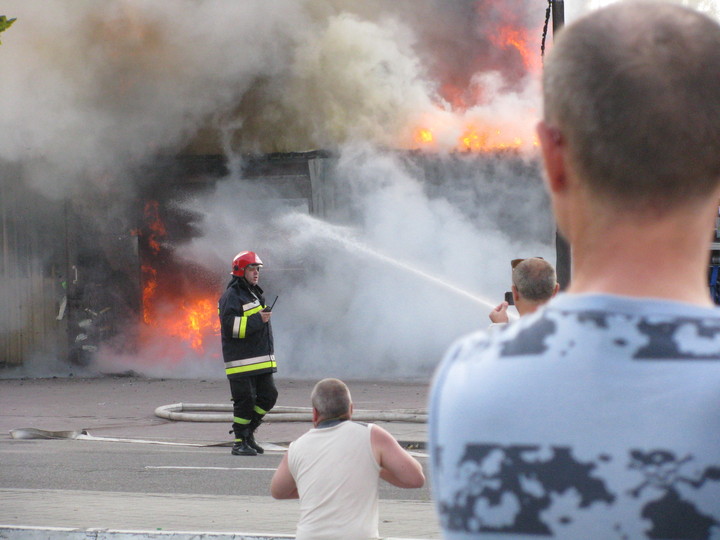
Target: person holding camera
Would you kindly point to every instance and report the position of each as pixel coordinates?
(248, 352)
(534, 282)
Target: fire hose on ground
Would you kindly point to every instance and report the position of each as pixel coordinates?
(211, 412)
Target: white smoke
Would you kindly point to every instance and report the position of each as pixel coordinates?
(382, 294)
(92, 87)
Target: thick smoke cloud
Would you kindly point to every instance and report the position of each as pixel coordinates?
(401, 284)
(90, 87)
(381, 285)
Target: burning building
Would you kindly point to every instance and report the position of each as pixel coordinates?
(144, 144)
(138, 290)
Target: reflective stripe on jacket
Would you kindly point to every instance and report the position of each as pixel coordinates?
(250, 364)
(240, 323)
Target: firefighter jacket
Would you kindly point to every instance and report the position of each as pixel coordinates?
(247, 342)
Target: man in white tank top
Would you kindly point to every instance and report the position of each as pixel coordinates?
(334, 469)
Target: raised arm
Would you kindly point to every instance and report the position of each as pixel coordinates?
(283, 484)
(396, 466)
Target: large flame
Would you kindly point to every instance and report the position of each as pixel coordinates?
(193, 322)
(471, 117)
(188, 317)
(482, 141)
(474, 138)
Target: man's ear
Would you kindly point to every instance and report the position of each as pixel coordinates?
(316, 416)
(553, 151)
(515, 293)
(556, 289)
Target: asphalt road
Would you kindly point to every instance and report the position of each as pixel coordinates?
(162, 474)
(146, 468)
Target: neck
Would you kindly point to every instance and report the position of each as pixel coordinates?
(663, 257)
(526, 308)
(329, 422)
(248, 284)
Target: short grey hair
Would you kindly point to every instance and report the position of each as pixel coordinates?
(535, 279)
(331, 398)
(633, 89)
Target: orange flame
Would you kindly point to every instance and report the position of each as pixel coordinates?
(156, 226)
(198, 320)
(517, 38)
(474, 139)
(192, 321)
(190, 318)
(423, 136)
(149, 291)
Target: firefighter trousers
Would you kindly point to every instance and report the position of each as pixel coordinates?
(253, 396)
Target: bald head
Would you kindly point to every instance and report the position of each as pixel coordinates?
(633, 91)
(535, 280)
(331, 399)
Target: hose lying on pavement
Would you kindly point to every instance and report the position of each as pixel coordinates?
(210, 412)
(33, 433)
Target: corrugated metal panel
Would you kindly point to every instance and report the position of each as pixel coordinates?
(30, 267)
(29, 320)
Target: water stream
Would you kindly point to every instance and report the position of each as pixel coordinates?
(311, 225)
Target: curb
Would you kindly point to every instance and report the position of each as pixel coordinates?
(18, 532)
(66, 533)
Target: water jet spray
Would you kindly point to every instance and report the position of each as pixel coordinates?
(340, 235)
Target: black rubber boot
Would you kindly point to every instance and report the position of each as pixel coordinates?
(253, 425)
(241, 446)
(254, 445)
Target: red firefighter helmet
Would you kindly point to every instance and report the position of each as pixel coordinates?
(243, 259)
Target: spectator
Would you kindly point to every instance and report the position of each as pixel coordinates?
(534, 282)
(334, 469)
(597, 416)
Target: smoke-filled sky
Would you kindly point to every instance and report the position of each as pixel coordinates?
(92, 90)
(88, 86)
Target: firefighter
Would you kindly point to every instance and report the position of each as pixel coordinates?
(247, 344)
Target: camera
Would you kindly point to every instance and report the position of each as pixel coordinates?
(509, 298)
